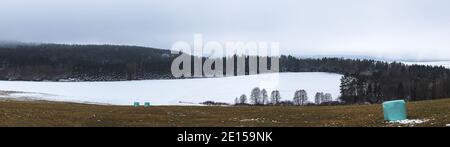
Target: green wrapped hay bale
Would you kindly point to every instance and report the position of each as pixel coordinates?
(147, 104)
(394, 110)
(136, 104)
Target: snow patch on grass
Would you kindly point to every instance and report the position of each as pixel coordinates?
(410, 121)
(259, 120)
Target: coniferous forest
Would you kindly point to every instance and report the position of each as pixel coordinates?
(364, 81)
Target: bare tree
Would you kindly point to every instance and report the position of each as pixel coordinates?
(255, 96)
(327, 98)
(275, 97)
(265, 97)
(303, 97)
(243, 99)
(300, 97)
(318, 99)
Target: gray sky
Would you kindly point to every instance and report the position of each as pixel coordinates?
(390, 28)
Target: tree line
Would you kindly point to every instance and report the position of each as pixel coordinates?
(370, 81)
(260, 97)
(54, 62)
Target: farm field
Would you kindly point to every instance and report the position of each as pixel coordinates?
(55, 114)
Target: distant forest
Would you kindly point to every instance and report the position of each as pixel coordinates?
(364, 81)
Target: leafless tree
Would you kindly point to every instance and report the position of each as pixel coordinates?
(243, 99)
(265, 97)
(275, 97)
(300, 97)
(255, 96)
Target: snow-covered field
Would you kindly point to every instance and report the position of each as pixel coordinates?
(172, 92)
(433, 63)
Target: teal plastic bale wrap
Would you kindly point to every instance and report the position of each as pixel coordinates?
(147, 104)
(136, 104)
(394, 110)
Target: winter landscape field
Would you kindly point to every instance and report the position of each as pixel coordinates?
(225, 63)
(175, 92)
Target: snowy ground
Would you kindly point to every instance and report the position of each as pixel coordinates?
(434, 63)
(172, 92)
(409, 122)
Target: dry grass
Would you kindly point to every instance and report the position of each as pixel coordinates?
(41, 113)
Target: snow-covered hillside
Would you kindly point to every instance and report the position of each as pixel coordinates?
(171, 92)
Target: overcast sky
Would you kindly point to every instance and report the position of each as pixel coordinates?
(390, 28)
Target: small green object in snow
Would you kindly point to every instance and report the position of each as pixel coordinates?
(147, 104)
(136, 104)
(394, 110)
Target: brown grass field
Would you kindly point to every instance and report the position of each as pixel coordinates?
(58, 114)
